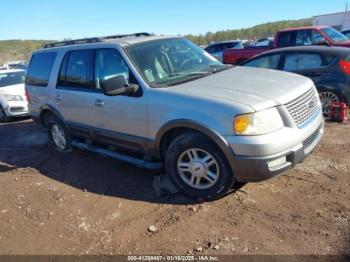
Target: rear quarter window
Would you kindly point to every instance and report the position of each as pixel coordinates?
(39, 69)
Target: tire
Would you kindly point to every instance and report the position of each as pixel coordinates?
(58, 134)
(197, 167)
(3, 117)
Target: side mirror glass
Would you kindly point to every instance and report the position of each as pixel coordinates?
(117, 85)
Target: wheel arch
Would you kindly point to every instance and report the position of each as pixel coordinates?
(46, 110)
(174, 128)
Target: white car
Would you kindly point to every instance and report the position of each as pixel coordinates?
(13, 101)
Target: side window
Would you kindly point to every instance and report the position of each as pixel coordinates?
(316, 37)
(286, 39)
(304, 38)
(299, 61)
(39, 69)
(269, 61)
(75, 69)
(109, 63)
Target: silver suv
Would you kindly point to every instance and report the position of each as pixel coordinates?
(158, 101)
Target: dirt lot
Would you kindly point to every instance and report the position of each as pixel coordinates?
(81, 203)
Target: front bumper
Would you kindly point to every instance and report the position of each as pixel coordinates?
(16, 108)
(255, 167)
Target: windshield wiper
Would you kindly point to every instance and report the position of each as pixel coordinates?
(200, 73)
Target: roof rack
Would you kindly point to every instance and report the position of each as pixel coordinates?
(92, 40)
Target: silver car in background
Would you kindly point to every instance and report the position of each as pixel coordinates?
(13, 101)
(163, 102)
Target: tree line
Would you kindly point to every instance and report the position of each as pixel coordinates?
(252, 33)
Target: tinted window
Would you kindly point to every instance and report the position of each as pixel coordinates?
(299, 38)
(270, 62)
(75, 70)
(108, 64)
(295, 61)
(286, 39)
(12, 78)
(39, 70)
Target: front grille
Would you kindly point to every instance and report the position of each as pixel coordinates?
(303, 107)
(17, 109)
(308, 141)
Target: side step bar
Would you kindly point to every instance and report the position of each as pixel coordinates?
(122, 157)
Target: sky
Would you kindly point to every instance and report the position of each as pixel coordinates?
(59, 19)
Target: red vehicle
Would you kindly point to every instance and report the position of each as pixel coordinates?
(299, 36)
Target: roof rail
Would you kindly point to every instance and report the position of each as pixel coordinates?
(92, 40)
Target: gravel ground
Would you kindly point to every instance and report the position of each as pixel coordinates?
(81, 203)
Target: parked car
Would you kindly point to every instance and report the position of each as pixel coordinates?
(13, 102)
(300, 36)
(267, 42)
(218, 48)
(158, 101)
(346, 32)
(328, 67)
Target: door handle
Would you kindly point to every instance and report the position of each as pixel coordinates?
(99, 103)
(58, 97)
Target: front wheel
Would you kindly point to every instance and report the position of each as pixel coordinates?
(197, 167)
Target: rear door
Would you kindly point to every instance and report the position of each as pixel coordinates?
(72, 95)
(310, 64)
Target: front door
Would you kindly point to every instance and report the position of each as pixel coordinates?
(122, 118)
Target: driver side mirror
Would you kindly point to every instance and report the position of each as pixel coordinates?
(117, 85)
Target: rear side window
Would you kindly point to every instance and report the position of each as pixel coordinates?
(76, 69)
(269, 61)
(302, 61)
(286, 39)
(39, 70)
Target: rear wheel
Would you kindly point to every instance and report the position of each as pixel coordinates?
(3, 116)
(197, 167)
(327, 98)
(58, 134)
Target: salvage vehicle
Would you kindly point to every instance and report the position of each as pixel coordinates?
(329, 68)
(13, 102)
(163, 102)
(299, 36)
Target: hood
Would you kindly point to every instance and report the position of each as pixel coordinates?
(254, 87)
(13, 90)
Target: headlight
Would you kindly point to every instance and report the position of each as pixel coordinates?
(13, 98)
(258, 123)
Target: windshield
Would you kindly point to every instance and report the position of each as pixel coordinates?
(335, 35)
(11, 78)
(171, 61)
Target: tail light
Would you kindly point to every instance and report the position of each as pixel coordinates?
(345, 66)
(27, 95)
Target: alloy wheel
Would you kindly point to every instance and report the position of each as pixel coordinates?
(198, 168)
(327, 98)
(58, 137)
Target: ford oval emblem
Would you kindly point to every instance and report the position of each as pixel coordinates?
(310, 104)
